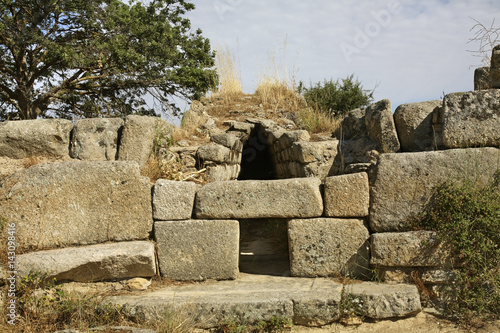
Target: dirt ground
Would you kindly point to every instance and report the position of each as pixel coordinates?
(421, 323)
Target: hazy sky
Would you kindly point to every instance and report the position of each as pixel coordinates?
(414, 50)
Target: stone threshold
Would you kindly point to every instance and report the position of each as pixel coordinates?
(253, 298)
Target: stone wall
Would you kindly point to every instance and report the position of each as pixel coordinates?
(347, 201)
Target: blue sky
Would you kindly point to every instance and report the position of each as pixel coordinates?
(414, 50)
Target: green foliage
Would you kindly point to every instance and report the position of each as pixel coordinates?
(89, 58)
(336, 97)
(468, 218)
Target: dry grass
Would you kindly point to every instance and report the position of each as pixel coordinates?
(172, 170)
(228, 72)
(316, 121)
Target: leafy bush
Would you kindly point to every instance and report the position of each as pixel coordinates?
(336, 97)
(467, 217)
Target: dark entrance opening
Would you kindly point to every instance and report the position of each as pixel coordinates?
(257, 160)
(264, 247)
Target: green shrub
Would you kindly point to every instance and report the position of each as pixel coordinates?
(467, 217)
(336, 97)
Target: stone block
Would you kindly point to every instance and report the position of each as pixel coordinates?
(173, 200)
(198, 249)
(284, 198)
(414, 125)
(223, 172)
(308, 152)
(347, 195)
(495, 67)
(328, 247)
(288, 138)
(354, 124)
(482, 78)
(215, 153)
(91, 263)
(471, 119)
(228, 140)
(380, 126)
(96, 139)
(381, 301)
(408, 249)
(404, 183)
(138, 137)
(27, 138)
(77, 203)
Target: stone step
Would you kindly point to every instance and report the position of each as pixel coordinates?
(254, 298)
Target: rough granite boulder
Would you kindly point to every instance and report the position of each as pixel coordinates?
(495, 67)
(91, 263)
(380, 126)
(408, 249)
(404, 183)
(381, 301)
(284, 198)
(482, 78)
(173, 200)
(328, 247)
(96, 139)
(347, 195)
(27, 138)
(196, 250)
(471, 119)
(77, 203)
(414, 125)
(139, 136)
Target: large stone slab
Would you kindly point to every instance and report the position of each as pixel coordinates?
(347, 195)
(414, 125)
(139, 136)
(380, 126)
(96, 139)
(328, 247)
(198, 249)
(26, 138)
(91, 263)
(77, 203)
(404, 183)
(173, 200)
(408, 249)
(247, 300)
(380, 301)
(298, 197)
(471, 119)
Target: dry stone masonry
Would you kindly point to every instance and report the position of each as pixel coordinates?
(345, 202)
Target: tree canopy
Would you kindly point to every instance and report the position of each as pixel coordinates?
(88, 58)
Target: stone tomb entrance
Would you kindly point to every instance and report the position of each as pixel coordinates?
(264, 247)
(257, 160)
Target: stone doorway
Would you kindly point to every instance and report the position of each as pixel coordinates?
(264, 247)
(257, 159)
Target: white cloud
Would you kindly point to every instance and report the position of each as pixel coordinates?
(419, 54)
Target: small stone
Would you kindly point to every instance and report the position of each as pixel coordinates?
(138, 284)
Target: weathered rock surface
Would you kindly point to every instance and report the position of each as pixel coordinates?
(250, 299)
(138, 137)
(92, 263)
(173, 200)
(404, 183)
(110, 329)
(414, 125)
(408, 249)
(198, 249)
(495, 68)
(380, 126)
(380, 301)
(27, 138)
(471, 119)
(328, 247)
(482, 78)
(216, 153)
(347, 195)
(77, 203)
(354, 124)
(224, 172)
(284, 198)
(96, 139)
